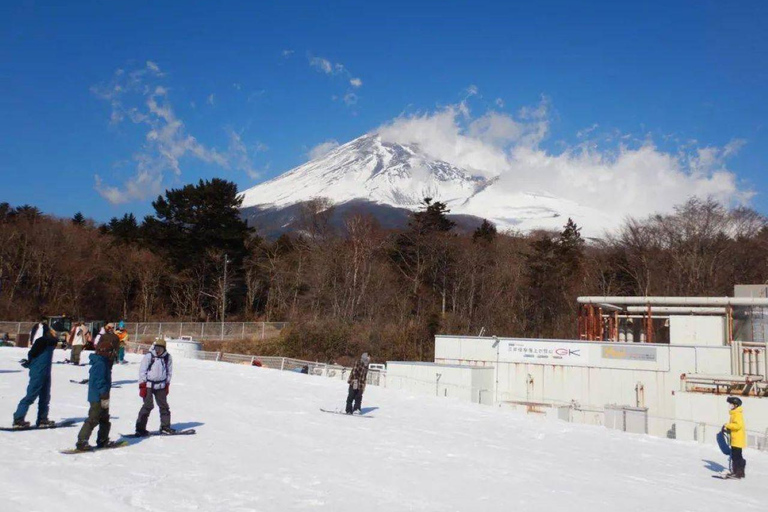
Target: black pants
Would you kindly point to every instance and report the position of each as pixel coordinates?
(356, 396)
(97, 416)
(739, 464)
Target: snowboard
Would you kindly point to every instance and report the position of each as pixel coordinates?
(723, 442)
(112, 445)
(725, 476)
(187, 432)
(345, 414)
(32, 427)
(85, 381)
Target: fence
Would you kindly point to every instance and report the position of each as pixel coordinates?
(375, 377)
(198, 330)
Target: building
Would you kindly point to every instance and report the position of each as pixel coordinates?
(656, 365)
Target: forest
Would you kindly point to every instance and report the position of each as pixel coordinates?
(357, 287)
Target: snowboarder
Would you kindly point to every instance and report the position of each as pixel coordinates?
(356, 381)
(77, 341)
(738, 432)
(99, 385)
(39, 361)
(155, 375)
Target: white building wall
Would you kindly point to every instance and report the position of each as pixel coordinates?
(451, 381)
(590, 375)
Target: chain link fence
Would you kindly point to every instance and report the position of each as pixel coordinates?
(375, 377)
(198, 330)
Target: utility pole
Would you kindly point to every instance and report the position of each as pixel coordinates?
(224, 297)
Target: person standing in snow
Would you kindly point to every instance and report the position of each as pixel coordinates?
(122, 335)
(357, 380)
(77, 341)
(39, 362)
(738, 434)
(99, 386)
(155, 375)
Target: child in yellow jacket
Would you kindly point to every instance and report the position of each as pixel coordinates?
(738, 432)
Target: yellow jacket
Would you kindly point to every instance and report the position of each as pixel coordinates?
(736, 427)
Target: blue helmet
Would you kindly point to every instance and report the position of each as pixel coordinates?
(121, 324)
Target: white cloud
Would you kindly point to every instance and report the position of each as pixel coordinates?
(499, 102)
(153, 67)
(136, 97)
(350, 99)
(355, 82)
(287, 53)
(472, 90)
(620, 180)
(323, 65)
(322, 149)
(211, 99)
(237, 86)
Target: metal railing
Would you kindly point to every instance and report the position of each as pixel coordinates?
(375, 377)
(198, 330)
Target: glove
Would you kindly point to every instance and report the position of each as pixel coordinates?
(168, 389)
(24, 363)
(105, 403)
(143, 390)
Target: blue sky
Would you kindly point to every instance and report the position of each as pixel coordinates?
(246, 90)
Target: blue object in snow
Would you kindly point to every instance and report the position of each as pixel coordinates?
(724, 443)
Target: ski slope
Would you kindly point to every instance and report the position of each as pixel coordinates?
(263, 445)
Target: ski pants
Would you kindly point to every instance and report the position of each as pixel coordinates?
(161, 395)
(356, 396)
(75, 355)
(121, 355)
(97, 416)
(38, 389)
(739, 464)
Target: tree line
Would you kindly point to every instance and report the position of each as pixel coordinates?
(357, 286)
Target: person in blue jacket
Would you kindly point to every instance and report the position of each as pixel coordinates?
(39, 361)
(99, 386)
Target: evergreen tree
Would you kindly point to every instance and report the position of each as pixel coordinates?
(78, 219)
(195, 219)
(486, 232)
(125, 230)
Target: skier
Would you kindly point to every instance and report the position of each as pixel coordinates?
(99, 386)
(39, 360)
(77, 341)
(155, 375)
(356, 381)
(738, 432)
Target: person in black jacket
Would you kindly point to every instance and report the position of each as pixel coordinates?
(357, 380)
(99, 386)
(39, 360)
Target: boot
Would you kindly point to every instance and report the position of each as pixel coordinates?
(20, 423)
(83, 446)
(45, 423)
(103, 444)
(167, 430)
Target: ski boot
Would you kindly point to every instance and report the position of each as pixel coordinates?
(45, 423)
(141, 432)
(104, 444)
(20, 423)
(83, 447)
(167, 430)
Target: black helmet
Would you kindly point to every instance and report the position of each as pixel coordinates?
(734, 400)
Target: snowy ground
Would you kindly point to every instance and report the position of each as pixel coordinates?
(263, 445)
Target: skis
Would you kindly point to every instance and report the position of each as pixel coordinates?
(69, 423)
(110, 446)
(725, 476)
(345, 414)
(84, 381)
(187, 432)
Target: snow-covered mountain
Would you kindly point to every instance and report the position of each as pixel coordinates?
(385, 174)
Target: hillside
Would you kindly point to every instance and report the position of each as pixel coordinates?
(262, 444)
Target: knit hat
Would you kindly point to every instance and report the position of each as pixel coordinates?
(365, 358)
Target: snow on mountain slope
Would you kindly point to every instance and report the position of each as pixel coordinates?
(387, 173)
(263, 445)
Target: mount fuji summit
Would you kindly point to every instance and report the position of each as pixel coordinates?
(390, 180)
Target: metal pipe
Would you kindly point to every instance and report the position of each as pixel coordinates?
(676, 301)
(679, 310)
